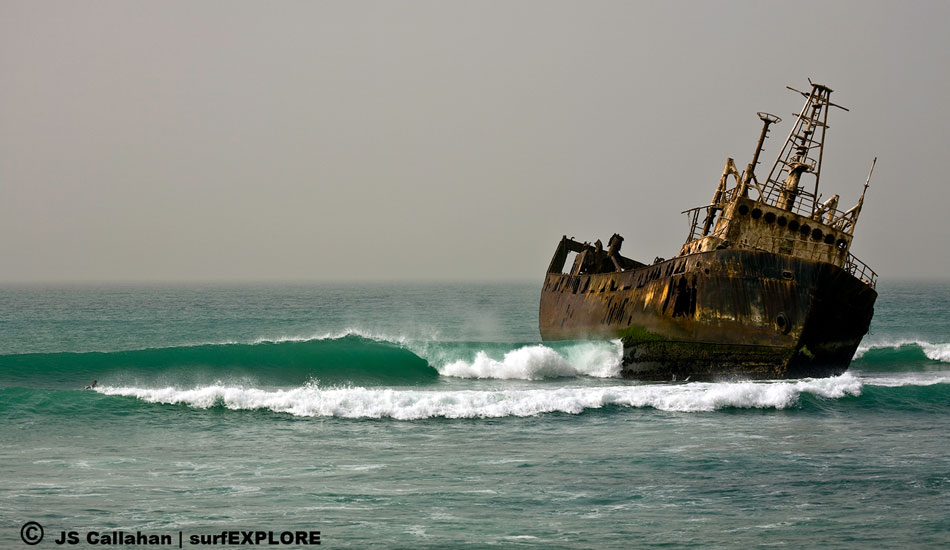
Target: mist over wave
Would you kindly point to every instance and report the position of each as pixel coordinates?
(336, 335)
(596, 359)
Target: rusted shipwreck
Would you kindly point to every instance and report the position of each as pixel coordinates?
(764, 287)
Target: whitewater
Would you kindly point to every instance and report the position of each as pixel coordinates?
(590, 360)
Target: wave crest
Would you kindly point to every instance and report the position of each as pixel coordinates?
(934, 352)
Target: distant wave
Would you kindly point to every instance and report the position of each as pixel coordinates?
(901, 355)
(359, 402)
(911, 379)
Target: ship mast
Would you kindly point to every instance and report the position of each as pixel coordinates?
(749, 175)
(783, 188)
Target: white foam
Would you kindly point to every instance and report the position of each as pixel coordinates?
(527, 363)
(908, 379)
(934, 352)
(937, 352)
(599, 359)
(357, 402)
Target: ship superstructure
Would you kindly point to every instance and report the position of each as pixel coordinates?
(765, 285)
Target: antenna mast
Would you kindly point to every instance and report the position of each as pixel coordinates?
(807, 137)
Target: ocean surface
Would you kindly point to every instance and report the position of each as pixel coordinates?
(431, 416)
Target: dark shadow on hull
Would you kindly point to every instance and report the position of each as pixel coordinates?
(714, 315)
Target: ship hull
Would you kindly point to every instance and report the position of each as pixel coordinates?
(720, 314)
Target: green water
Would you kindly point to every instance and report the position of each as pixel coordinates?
(430, 417)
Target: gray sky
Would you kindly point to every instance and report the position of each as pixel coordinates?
(231, 141)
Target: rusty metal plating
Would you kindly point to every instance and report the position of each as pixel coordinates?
(765, 285)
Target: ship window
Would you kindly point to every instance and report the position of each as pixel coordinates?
(783, 324)
(829, 239)
(805, 229)
(782, 222)
(817, 234)
(569, 260)
(793, 225)
(842, 244)
(756, 214)
(769, 217)
(743, 209)
(787, 275)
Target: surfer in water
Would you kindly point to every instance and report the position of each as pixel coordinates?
(92, 386)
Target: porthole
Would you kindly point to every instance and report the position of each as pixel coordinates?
(756, 214)
(781, 321)
(842, 244)
(769, 217)
(817, 234)
(793, 225)
(805, 230)
(829, 239)
(743, 209)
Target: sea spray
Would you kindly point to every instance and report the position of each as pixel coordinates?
(596, 359)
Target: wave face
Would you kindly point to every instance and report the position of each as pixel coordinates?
(347, 359)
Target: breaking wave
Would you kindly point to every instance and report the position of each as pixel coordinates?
(349, 357)
(596, 359)
(407, 404)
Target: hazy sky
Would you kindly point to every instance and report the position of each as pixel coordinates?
(233, 141)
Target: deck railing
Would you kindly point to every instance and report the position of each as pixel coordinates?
(693, 214)
(861, 270)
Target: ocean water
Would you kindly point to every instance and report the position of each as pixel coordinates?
(431, 416)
